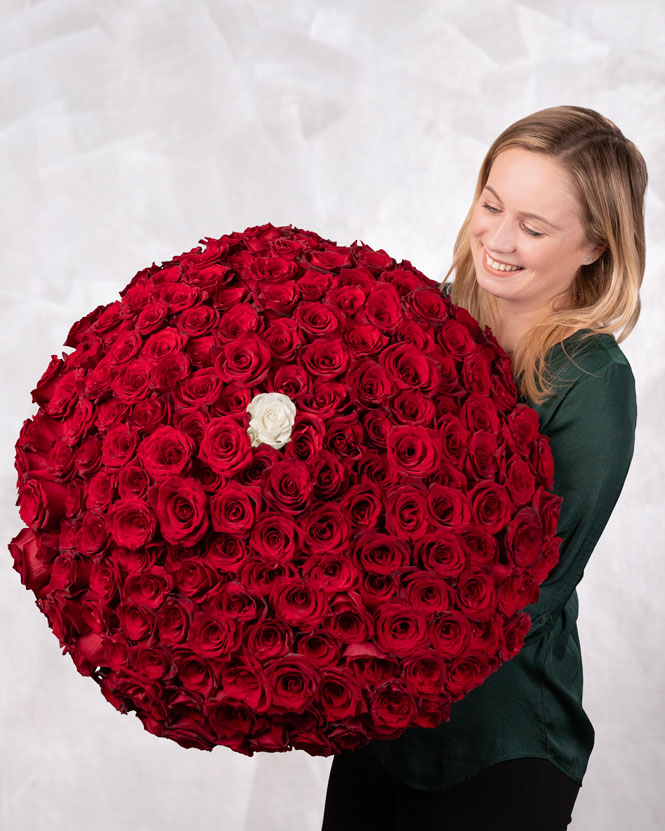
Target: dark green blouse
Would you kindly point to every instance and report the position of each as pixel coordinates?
(532, 705)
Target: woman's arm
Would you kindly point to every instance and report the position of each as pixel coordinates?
(591, 435)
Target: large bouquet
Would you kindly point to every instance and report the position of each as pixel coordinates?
(282, 495)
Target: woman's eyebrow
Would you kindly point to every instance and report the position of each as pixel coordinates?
(523, 213)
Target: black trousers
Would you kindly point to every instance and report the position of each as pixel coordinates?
(516, 795)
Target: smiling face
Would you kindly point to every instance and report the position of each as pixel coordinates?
(528, 216)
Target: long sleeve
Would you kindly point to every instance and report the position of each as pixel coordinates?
(592, 431)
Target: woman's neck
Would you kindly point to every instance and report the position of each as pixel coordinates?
(514, 323)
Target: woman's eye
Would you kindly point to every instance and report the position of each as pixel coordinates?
(494, 210)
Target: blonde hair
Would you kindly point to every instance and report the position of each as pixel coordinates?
(610, 178)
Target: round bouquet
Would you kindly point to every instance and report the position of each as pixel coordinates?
(281, 495)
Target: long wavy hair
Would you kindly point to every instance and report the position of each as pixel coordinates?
(609, 175)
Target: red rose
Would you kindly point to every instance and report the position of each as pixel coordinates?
(338, 697)
(173, 619)
(542, 461)
(426, 592)
(151, 317)
(408, 368)
(180, 505)
(466, 673)
(244, 361)
(133, 383)
(522, 427)
(344, 436)
(363, 339)
(486, 637)
(153, 662)
(449, 507)
(149, 412)
(149, 589)
(476, 373)
(362, 503)
(92, 534)
(476, 595)
(441, 553)
(169, 371)
(100, 490)
(413, 451)
(424, 674)
(234, 508)
(211, 636)
(520, 481)
(383, 307)
(137, 621)
(269, 639)
(349, 623)
(491, 505)
(104, 578)
(293, 682)
(392, 708)
(377, 552)
(307, 436)
(480, 547)
(331, 572)
(370, 386)
(288, 486)
(450, 632)
(425, 302)
(197, 580)
(226, 446)
(199, 389)
(275, 537)
(548, 506)
(325, 358)
(133, 481)
(516, 592)
(549, 557)
(69, 573)
(406, 512)
(456, 340)
(196, 674)
(297, 603)
(376, 424)
(319, 647)
(400, 629)
(514, 633)
(524, 537)
(317, 319)
(479, 413)
(283, 338)
(327, 529)
(411, 407)
(196, 321)
(41, 503)
(131, 522)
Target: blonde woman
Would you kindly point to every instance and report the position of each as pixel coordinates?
(551, 256)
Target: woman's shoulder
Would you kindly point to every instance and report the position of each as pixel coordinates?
(586, 353)
(591, 376)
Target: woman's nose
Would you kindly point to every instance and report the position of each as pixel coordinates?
(501, 237)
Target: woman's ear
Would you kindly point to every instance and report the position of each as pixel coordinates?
(596, 252)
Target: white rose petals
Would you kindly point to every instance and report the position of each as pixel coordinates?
(272, 416)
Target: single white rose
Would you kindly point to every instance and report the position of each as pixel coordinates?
(272, 416)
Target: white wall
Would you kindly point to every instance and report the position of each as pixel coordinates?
(128, 131)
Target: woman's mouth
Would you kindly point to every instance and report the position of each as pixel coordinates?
(497, 268)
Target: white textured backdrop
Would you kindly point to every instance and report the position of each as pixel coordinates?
(129, 129)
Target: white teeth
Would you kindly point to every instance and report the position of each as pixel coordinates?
(502, 266)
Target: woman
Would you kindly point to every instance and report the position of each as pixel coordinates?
(551, 256)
